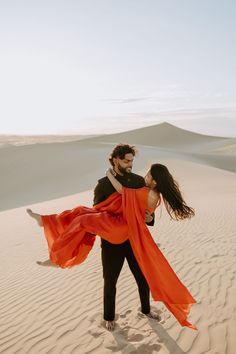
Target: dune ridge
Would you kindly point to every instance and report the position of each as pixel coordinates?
(55, 167)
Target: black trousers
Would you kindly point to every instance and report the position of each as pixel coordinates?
(113, 257)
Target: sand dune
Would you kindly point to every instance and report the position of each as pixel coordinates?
(51, 310)
(19, 140)
(163, 135)
(40, 172)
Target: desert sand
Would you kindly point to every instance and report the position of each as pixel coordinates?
(53, 310)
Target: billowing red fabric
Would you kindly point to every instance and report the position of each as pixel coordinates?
(71, 235)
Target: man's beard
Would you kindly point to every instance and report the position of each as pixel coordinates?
(123, 169)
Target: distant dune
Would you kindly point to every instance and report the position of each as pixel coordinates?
(163, 135)
(19, 140)
(55, 168)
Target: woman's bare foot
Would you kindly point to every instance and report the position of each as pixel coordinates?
(110, 325)
(47, 263)
(35, 216)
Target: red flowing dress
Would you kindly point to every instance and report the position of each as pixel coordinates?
(71, 234)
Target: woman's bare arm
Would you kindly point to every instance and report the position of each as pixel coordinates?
(116, 184)
(153, 199)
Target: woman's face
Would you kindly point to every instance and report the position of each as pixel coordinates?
(149, 180)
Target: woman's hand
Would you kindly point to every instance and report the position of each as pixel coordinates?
(148, 217)
(110, 171)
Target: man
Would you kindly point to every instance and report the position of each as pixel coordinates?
(113, 255)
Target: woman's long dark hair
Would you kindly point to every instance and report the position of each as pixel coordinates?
(169, 188)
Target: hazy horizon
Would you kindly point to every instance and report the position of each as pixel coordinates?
(195, 128)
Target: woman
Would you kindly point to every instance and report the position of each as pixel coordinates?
(71, 234)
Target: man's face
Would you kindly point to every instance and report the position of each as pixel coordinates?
(124, 165)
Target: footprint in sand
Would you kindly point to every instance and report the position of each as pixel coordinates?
(131, 335)
(125, 314)
(147, 349)
(95, 332)
(124, 324)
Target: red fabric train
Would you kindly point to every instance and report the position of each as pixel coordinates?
(71, 235)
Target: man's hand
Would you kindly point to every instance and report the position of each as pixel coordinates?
(148, 217)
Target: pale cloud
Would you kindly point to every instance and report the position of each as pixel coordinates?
(128, 100)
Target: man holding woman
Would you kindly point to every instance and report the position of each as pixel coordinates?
(123, 202)
(113, 255)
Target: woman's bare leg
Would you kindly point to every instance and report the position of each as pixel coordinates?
(35, 216)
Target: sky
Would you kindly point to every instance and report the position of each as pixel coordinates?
(103, 66)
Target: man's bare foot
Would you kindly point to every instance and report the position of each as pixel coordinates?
(47, 263)
(154, 316)
(110, 325)
(35, 216)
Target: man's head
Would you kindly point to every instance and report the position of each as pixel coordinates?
(122, 158)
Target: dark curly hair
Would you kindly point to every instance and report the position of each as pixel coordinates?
(121, 150)
(169, 188)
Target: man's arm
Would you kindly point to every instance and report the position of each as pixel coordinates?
(116, 184)
(149, 218)
(98, 194)
(103, 185)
